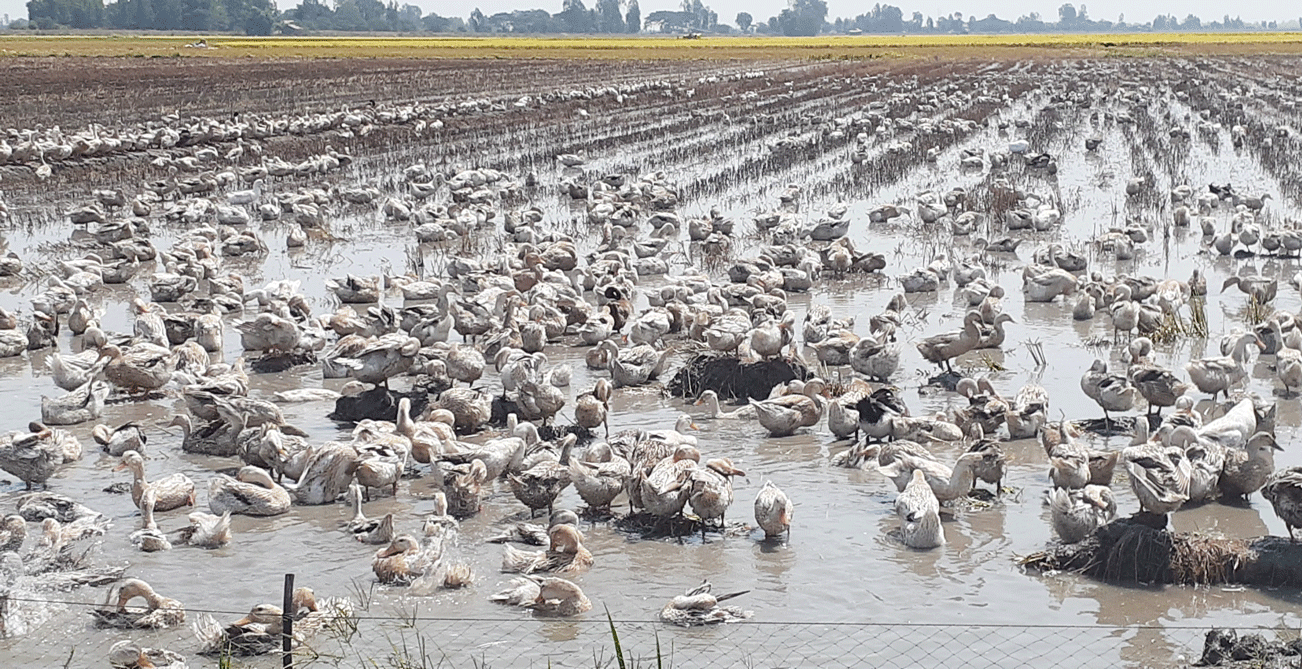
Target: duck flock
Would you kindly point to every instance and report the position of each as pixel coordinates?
(928, 257)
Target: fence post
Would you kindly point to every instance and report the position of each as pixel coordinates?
(287, 623)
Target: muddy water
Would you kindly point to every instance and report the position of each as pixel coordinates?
(841, 564)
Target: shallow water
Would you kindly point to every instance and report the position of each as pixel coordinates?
(841, 563)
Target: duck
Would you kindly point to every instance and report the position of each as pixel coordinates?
(463, 485)
(251, 492)
(71, 372)
(269, 332)
(538, 486)
(873, 357)
(80, 405)
(600, 477)
(140, 368)
(471, 409)
(1077, 513)
(212, 438)
(1247, 469)
(382, 359)
(172, 492)
(1216, 375)
(994, 336)
(565, 554)
(550, 595)
(773, 511)
(160, 612)
(1206, 460)
(1112, 392)
(1159, 476)
(1158, 386)
(206, 530)
(877, 410)
(257, 633)
(635, 366)
(404, 560)
(1284, 492)
(119, 440)
(148, 538)
(941, 348)
(1028, 413)
(352, 289)
(710, 399)
(947, 484)
(711, 491)
(919, 513)
(127, 654)
(663, 491)
(698, 606)
(381, 457)
(32, 456)
(784, 415)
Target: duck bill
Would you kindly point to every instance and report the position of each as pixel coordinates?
(242, 622)
(120, 467)
(389, 551)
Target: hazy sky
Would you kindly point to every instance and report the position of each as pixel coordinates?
(1248, 10)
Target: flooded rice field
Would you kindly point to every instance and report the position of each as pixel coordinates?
(559, 194)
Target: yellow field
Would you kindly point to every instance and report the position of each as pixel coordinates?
(659, 48)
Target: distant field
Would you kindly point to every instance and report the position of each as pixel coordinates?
(660, 48)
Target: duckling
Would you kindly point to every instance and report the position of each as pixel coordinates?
(1077, 513)
(919, 513)
(172, 492)
(699, 607)
(252, 492)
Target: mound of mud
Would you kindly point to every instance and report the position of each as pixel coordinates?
(1225, 648)
(1131, 550)
(732, 379)
(377, 404)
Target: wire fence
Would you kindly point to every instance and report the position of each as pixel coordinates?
(61, 634)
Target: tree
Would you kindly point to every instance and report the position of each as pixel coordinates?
(609, 20)
(744, 20)
(476, 22)
(633, 18)
(1067, 15)
(803, 17)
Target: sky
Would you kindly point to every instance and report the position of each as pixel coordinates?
(1207, 10)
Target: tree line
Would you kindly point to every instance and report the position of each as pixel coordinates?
(801, 17)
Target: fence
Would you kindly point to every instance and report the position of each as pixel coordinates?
(61, 635)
